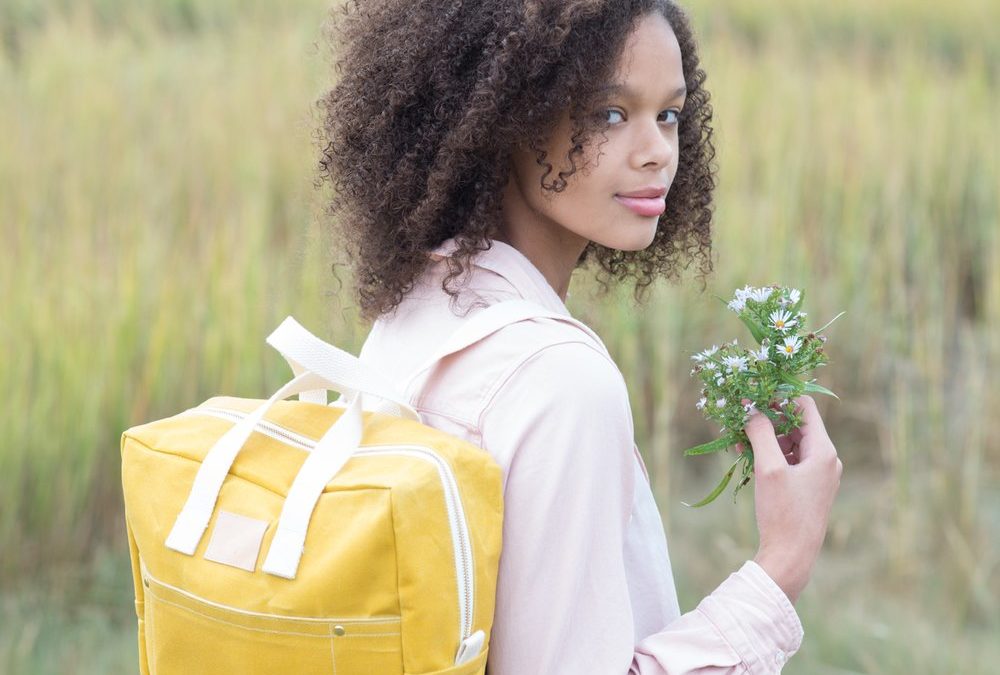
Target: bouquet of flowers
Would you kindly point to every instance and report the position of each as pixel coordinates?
(767, 377)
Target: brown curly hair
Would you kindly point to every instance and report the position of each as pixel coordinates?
(433, 95)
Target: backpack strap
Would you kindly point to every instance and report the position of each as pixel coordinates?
(486, 322)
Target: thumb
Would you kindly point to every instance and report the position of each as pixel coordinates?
(767, 454)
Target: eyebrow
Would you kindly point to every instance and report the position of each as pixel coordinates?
(628, 92)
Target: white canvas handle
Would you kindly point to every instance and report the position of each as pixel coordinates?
(343, 371)
(323, 367)
(193, 519)
(323, 463)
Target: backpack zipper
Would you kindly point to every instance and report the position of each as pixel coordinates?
(456, 514)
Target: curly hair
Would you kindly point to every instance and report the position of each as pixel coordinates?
(433, 95)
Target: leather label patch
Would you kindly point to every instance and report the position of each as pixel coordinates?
(236, 540)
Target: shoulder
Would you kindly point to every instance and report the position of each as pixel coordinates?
(559, 372)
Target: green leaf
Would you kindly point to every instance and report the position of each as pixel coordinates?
(744, 479)
(711, 446)
(788, 378)
(718, 489)
(812, 387)
(818, 330)
(755, 328)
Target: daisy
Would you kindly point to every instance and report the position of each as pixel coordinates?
(720, 403)
(760, 294)
(737, 304)
(720, 380)
(794, 295)
(782, 319)
(701, 403)
(709, 365)
(735, 363)
(761, 354)
(705, 354)
(791, 346)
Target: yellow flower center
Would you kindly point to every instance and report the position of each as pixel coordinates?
(779, 324)
(788, 348)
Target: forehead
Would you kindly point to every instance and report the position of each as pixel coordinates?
(651, 54)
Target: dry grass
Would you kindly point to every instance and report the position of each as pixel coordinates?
(157, 220)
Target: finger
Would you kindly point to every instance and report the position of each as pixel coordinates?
(814, 438)
(766, 451)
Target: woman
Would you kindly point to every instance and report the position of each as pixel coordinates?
(484, 151)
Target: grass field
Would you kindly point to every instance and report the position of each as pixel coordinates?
(158, 219)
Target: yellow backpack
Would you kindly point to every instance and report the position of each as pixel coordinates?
(296, 536)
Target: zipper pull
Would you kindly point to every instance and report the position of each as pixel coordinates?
(470, 647)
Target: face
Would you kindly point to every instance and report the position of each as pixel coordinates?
(617, 197)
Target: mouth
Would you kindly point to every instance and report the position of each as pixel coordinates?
(643, 206)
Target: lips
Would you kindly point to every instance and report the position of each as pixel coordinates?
(647, 201)
(650, 192)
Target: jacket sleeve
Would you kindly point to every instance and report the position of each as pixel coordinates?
(561, 425)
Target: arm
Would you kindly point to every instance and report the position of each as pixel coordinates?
(561, 424)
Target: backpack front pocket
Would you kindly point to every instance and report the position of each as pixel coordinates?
(188, 634)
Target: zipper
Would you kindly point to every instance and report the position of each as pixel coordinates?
(456, 513)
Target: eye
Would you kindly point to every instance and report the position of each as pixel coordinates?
(676, 113)
(612, 111)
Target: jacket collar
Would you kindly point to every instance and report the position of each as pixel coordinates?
(516, 268)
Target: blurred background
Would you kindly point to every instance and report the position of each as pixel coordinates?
(158, 219)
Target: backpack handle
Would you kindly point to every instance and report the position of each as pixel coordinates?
(192, 521)
(341, 370)
(320, 366)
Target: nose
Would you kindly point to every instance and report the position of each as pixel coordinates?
(655, 145)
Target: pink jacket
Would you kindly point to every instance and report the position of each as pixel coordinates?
(585, 584)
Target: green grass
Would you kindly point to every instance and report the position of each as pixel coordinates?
(157, 220)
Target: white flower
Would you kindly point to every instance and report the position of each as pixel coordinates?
(791, 346)
(721, 402)
(737, 304)
(794, 295)
(709, 365)
(749, 406)
(761, 354)
(701, 356)
(744, 293)
(701, 403)
(782, 319)
(761, 294)
(735, 363)
(720, 380)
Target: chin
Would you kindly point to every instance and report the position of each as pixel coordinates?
(636, 240)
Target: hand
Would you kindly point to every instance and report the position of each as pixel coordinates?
(796, 478)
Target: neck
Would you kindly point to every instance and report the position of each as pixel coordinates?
(552, 249)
